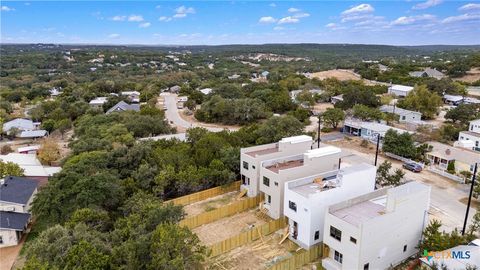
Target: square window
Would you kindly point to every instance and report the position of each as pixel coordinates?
(245, 165)
(292, 206)
(338, 256)
(405, 248)
(266, 181)
(276, 183)
(1, 239)
(335, 233)
(365, 266)
(317, 235)
(353, 240)
(253, 167)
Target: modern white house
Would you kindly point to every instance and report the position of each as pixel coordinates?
(470, 138)
(376, 230)
(252, 157)
(17, 194)
(404, 115)
(399, 90)
(274, 173)
(307, 199)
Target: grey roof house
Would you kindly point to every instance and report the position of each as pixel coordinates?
(404, 115)
(123, 106)
(428, 72)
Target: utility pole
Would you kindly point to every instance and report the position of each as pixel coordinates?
(318, 133)
(469, 199)
(378, 144)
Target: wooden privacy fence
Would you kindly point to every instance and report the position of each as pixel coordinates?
(297, 260)
(247, 237)
(205, 194)
(225, 211)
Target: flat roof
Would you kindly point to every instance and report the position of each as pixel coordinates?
(322, 151)
(318, 184)
(262, 152)
(363, 211)
(296, 139)
(285, 165)
(401, 87)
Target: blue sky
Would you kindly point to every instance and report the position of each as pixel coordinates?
(241, 22)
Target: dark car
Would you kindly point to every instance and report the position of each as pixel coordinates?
(414, 167)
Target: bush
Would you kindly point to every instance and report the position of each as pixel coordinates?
(364, 143)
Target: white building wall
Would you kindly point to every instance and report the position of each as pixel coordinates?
(310, 167)
(9, 238)
(470, 137)
(12, 207)
(310, 215)
(474, 126)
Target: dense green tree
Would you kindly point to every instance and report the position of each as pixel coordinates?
(10, 169)
(399, 144)
(354, 96)
(463, 113)
(422, 100)
(276, 128)
(366, 113)
(333, 117)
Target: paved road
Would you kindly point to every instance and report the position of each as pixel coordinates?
(174, 117)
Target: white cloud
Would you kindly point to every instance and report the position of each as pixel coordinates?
(331, 25)
(362, 8)
(119, 18)
(407, 20)
(462, 18)
(144, 25)
(164, 19)
(135, 18)
(278, 28)
(288, 19)
(301, 15)
(158, 6)
(182, 11)
(114, 36)
(427, 4)
(293, 10)
(273, 5)
(5, 8)
(267, 19)
(470, 6)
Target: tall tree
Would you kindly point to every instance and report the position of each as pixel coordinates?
(333, 117)
(422, 100)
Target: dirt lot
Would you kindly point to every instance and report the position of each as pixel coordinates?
(193, 120)
(472, 76)
(211, 203)
(340, 74)
(256, 255)
(224, 228)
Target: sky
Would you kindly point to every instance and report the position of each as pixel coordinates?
(402, 22)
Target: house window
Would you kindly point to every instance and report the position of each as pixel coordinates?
(244, 179)
(276, 183)
(365, 266)
(338, 256)
(403, 117)
(353, 240)
(292, 206)
(317, 235)
(1, 239)
(253, 167)
(335, 233)
(405, 248)
(245, 165)
(269, 199)
(266, 181)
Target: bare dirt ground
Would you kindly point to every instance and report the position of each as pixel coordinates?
(8, 255)
(259, 254)
(193, 120)
(224, 228)
(211, 203)
(472, 76)
(340, 74)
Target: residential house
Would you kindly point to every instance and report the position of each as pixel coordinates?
(427, 73)
(17, 194)
(54, 92)
(470, 100)
(367, 130)
(470, 138)
(274, 173)
(122, 106)
(264, 74)
(399, 90)
(33, 134)
(252, 157)
(133, 96)
(31, 149)
(443, 154)
(404, 115)
(32, 168)
(336, 99)
(98, 102)
(19, 124)
(234, 77)
(307, 199)
(376, 231)
(454, 100)
(382, 68)
(206, 91)
(295, 93)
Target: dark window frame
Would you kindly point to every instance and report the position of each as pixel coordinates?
(353, 240)
(292, 206)
(245, 165)
(336, 233)
(317, 235)
(266, 181)
(337, 256)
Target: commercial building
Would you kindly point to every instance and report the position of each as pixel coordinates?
(307, 199)
(377, 230)
(252, 157)
(274, 173)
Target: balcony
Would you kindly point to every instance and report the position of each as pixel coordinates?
(330, 264)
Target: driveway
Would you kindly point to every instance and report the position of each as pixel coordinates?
(174, 118)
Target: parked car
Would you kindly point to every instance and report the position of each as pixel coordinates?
(414, 167)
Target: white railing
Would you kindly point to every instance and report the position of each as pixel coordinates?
(447, 174)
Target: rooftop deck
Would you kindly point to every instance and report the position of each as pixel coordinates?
(285, 165)
(262, 152)
(360, 212)
(317, 185)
